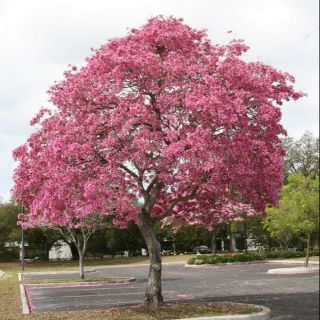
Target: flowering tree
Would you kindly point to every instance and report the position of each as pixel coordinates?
(77, 232)
(58, 192)
(171, 123)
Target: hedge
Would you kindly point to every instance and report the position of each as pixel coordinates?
(8, 256)
(242, 257)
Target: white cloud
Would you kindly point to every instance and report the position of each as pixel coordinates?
(40, 38)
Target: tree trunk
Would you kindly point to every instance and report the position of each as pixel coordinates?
(74, 251)
(285, 243)
(245, 237)
(81, 269)
(306, 263)
(72, 246)
(233, 243)
(213, 241)
(146, 224)
(268, 242)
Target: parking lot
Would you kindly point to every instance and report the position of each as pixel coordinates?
(288, 296)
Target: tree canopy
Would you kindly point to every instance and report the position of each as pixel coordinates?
(302, 155)
(298, 210)
(164, 118)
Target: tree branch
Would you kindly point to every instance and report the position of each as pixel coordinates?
(180, 199)
(101, 157)
(129, 171)
(153, 181)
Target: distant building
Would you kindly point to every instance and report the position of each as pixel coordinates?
(15, 246)
(60, 251)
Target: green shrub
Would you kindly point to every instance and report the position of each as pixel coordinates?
(211, 260)
(8, 256)
(251, 256)
(271, 255)
(199, 261)
(224, 259)
(243, 258)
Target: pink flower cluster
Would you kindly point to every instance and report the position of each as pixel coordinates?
(163, 121)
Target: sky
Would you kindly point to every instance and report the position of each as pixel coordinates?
(40, 38)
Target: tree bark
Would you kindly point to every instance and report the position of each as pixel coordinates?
(233, 243)
(245, 237)
(74, 250)
(72, 246)
(284, 244)
(146, 224)
(81, 269)
(214, 241)
(268, 242)
(306, 263)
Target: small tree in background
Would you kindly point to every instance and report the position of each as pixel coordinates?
(302, 155)
(304, 194)
(59, 193)
(40, 241)
(165, 117)
(279, 223)
(78, 231)
(9, 231)
(79, 234)
(297, 213)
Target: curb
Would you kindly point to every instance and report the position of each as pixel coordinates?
(294, 271)
(220, 264)
(95, 268)
(264, 314)
(24, 301)
(83, 283)
(291, 262)
(251, 262)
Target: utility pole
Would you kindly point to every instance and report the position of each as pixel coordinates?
(22, 242)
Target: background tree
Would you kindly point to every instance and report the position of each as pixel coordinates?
(78, 231)
(40, 241)
(280, 224)
(184, 237)
(79, 234)
(9, 230)
(297, 213)
(302, 155)
(57, 192)
(162, 115)
(256, 234)
(304, 194)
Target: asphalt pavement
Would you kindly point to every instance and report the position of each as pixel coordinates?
(288, 296)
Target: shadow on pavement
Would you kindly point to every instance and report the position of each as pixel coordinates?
(299, 306)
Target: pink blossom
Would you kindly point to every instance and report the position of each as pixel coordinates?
(162, 115)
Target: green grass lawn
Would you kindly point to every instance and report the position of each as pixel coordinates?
(89, 263)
